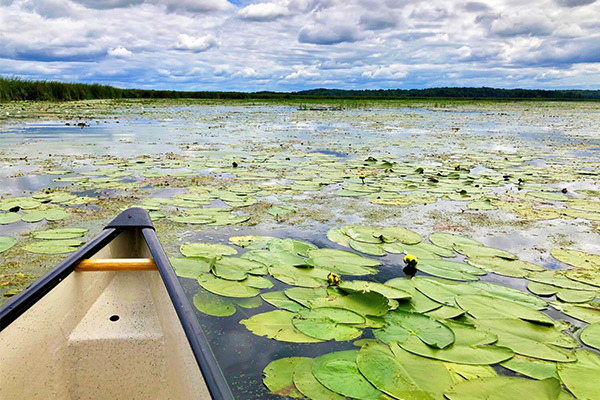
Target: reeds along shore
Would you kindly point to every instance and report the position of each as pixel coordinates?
(16, 89)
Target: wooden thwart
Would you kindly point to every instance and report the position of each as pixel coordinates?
(116, 264)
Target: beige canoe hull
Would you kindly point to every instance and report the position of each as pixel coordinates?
(101, 335)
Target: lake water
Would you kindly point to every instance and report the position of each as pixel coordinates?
(164, 149)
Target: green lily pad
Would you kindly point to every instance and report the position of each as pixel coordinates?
(52, 214)
(6, 242)
(502, 266)
(396, 234)
(304, 295)
(193, 219)
(342, 262)
(226, 288)
(53, 246)
(337, 236)
(418, 302)
(541, 289)
(369, 303)
(577, 259)
(590, 335)
(274, 258)
(509, 294)
(339, 373)
(309, 386)
(445, 312)
(459, 353)
(62, 233)
(297, 276)
(367, 286)
(281, 210)
(211, 304)
(531, 367)
(277, 325)
(278, 376)
(450, 270)
(462, 372)
(361, 233)
(503, 387)
(548, 196)
(191, 267)
(25, 203)
(487, 307)
(9, 218)
(587, 312)
(237, 269)
(581, 377)
(449, 240)
(373, 249)
(558, 278)
(575, 296)
(294, 246)
(588, 277)
(321, 324)
(207, 250)
(252, 241)
(402, 324)
(280, 300)
(401, 374)
(472, 251)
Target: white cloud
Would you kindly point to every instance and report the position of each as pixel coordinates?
(394, 71)
(119, 52)
(196, 45)
(263, 12)
(301, 73)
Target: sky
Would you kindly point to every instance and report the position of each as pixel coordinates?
(290, 45)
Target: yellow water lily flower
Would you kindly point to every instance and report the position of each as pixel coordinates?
(456, 167)
(410, 260)
(333, 279)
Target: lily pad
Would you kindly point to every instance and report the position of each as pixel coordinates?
(367, 286)
(487, 307)
(396, 234)
(277, 325)
(6, 242)
(9, 218)
(401, 374)
(449, 240)
(274, 258)
(418, 302)
(373, 249)
(503, 387)
(52, 214)
(450, 270)
(590, 335)
(53, 246)
(280, 300)
(577, 259)
(303, 295)
(321, 325)
(278, 376)
(309, 386)
(587, 312)
(207, 250)
(191, 267)
(531, 367)
(342, 262)
(339, 373)
(62, 233)
(226, 288)
(401, 324)
(297, 276)
(361, 233)
(581, 377)
(369, 303)
(211, 304)
(502, 266)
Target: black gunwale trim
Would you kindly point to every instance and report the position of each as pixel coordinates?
(209, 367)
(213, 376)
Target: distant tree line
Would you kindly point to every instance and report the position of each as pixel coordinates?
(17, 89)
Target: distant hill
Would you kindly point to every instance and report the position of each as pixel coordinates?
(18, 89)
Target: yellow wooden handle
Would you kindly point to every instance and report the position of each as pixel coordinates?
(116, 264)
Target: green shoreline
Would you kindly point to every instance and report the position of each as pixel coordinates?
(15, 89)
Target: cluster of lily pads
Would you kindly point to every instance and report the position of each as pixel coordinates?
(434, 335)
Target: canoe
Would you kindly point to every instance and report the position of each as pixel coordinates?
(109, 322)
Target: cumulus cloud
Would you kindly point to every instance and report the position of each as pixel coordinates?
(394, 71)
(108, 4)
(378, 21)
(522, 24)
(263, 12)
(196, 45)
(120, 52)
(194, 6)
(321, 34)
(301, 73)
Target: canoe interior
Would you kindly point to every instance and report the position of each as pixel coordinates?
(101, 335)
